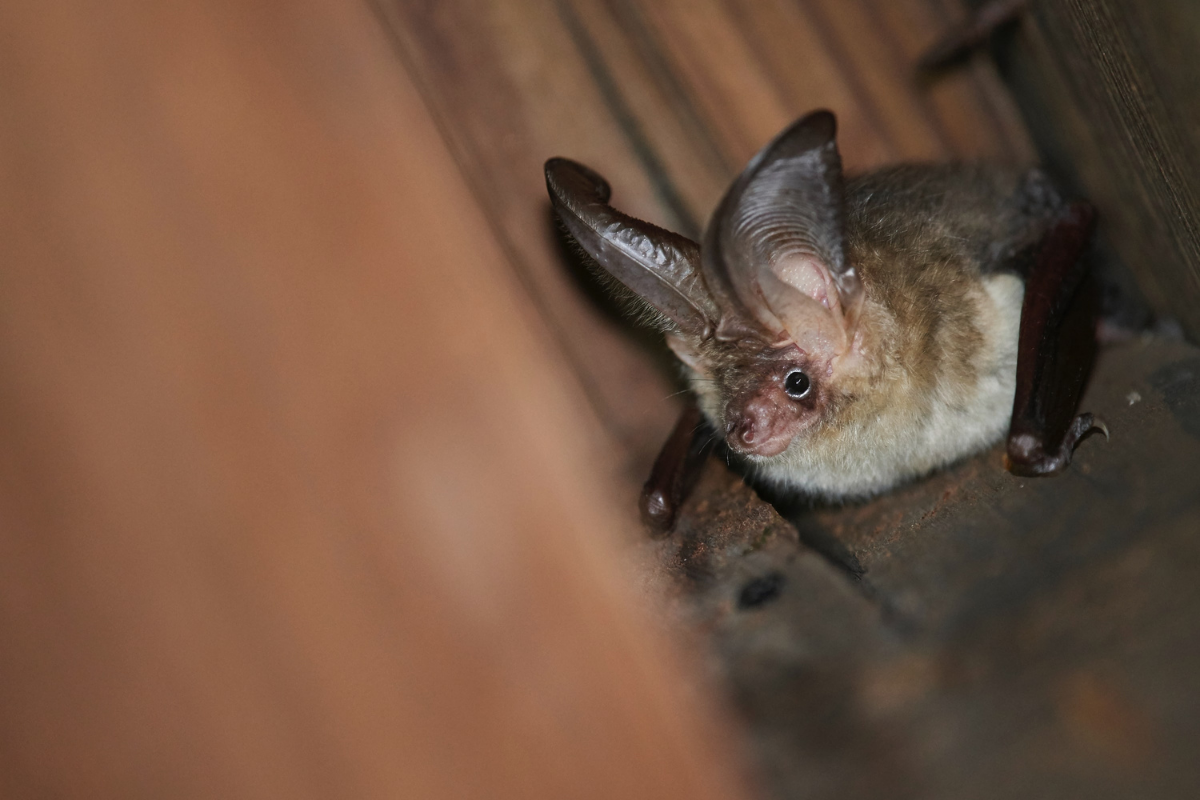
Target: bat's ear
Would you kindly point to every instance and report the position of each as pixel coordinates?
(660, 267)
(775, 248)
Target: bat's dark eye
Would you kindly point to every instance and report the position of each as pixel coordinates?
(796, 384)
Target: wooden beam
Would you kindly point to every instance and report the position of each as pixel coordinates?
(1109, 89)
(295, 498)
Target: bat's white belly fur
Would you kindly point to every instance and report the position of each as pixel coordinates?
(903, 442)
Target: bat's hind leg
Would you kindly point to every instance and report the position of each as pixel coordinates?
(1055, 351)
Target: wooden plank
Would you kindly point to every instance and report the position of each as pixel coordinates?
(1009, 636)
(1109, 88)
(294, 496)
(810, 72)
(721, 68)
(680, 148)
(510, 89)
(973, 109)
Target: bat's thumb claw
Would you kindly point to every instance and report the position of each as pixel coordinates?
(658, 512)
(1084, 425)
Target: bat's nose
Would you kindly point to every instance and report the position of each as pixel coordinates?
(744, 430)
(751, 433)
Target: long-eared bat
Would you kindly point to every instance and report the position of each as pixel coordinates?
(845, 336)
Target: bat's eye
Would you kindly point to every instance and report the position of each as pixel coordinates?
(796, 384)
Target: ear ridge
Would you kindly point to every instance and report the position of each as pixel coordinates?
(786, 210)
(660, 267)
(816, 328)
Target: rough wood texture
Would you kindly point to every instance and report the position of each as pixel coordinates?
(1009, 637)
(295, 500)
(1111, 89)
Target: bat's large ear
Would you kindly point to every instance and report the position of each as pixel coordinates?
(660, 267)
(775, 248)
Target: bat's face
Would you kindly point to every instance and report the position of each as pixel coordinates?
(765, 312)
(761, 401)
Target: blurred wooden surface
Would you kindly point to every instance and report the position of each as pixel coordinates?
(294, 499)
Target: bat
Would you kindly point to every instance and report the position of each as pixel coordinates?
(844, 336)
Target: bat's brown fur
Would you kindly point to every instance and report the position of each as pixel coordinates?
(938, 333)
(843, 335)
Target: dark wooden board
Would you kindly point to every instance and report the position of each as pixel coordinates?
(1111, 92)
(1009, 637)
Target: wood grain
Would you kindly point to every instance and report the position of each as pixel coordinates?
(1112, 94)
(997, 637)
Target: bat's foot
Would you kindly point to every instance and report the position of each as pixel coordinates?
(1028, 458)
(958, 43)
(1085, 424)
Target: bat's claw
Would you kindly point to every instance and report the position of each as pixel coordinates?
(1027, 455)
(658, 510)
(1081, 427)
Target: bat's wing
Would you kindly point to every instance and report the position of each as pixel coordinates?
(1056, 347)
